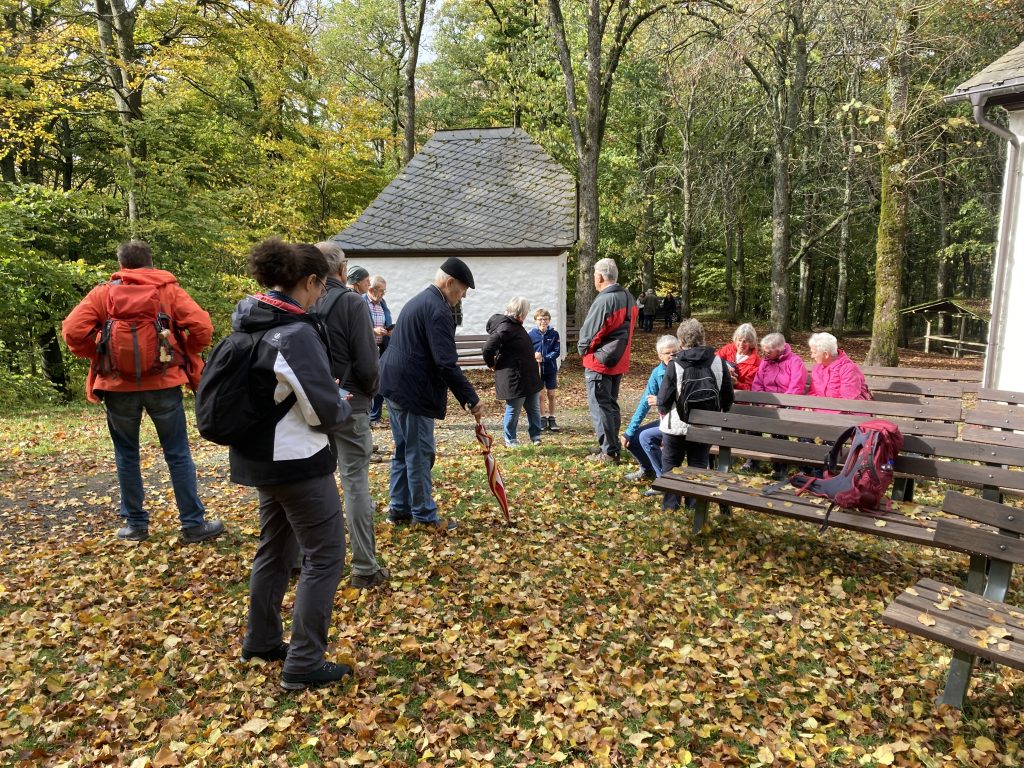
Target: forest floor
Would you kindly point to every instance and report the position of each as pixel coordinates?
(595, 630)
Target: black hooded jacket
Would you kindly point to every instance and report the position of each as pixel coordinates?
(291, 358)
(509, 351)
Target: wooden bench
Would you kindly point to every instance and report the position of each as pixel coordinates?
(974, 620)
(470, 347)
(924, 457)
(969, 379)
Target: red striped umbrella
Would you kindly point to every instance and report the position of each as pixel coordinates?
(494, 479)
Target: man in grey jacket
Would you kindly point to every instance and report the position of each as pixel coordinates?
(354, 362)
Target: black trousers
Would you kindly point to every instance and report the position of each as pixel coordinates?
(674, 450)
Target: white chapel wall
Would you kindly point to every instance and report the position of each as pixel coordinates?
(541, 279)
(1009, 364)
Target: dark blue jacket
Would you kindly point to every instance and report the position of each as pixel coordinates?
(549, 346)
(421, 363)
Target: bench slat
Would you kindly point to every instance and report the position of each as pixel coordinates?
(723, 488)
(936, 409)
(925, 387)
(1000, 396)
(962, 474)
(953, 627)
(980, 540)
(978, 434)
(946, 374)
(907, 426)
(984, 511)
(995, 416)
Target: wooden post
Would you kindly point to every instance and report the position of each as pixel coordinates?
(927, 333)
(960, 344)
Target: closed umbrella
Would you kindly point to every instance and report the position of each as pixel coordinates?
(494, 479)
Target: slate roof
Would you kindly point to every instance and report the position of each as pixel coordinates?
(1004, 77)
(476, 191)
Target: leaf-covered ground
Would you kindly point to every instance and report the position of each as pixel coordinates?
(594, 631)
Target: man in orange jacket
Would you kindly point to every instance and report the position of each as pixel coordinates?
(143, 334)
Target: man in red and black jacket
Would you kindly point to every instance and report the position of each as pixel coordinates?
(605, 339)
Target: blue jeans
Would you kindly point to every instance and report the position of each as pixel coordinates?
(124, 416)
(377, 407)
(645, 446)
(411, 487)
(512, 408)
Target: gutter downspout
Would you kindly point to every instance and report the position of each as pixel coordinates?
(978, 103)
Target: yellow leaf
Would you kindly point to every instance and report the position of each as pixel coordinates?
(925, 619)
(985, 744)
(409, 643)
(765, 756)
(667, 642)
(171, 642)
(165, 758)
(637, 739)
(884, 755)
(256, 726)
(880, 523)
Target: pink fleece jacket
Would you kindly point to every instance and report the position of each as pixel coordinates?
(786, 374)
(840, 378)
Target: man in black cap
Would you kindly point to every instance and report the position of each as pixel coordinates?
(419, 367)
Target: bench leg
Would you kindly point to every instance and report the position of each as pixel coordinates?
(700, 515)
(999, 573)
(903, 489)
(977, 574)
(959, 677)
(724, 459)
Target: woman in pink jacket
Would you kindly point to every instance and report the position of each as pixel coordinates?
(834, 374)
(780, 370)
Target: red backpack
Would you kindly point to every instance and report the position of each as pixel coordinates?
(137, 339)
(865, 478)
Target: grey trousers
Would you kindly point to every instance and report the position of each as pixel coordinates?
(307, 513)
(355, 446)
(603, 399)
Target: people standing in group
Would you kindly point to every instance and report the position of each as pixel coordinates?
(547, 348)
(114, 327)
(604, 345)
(509, 353)
(834, 374)
(644, 440)
(688, 375)
(380, 315)
(354, 363)
(649, 306)
(291, 463)
(669, 308)
(741, 356)
(418, 369)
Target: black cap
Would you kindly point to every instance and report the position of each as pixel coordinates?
(457, 268)
(355, 274)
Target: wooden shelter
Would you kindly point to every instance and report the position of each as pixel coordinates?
(971, 315)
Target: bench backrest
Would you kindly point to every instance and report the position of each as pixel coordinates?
(999, 539)
(996, 419)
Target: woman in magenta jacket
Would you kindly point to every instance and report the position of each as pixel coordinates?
(780, 369)
(834, 374)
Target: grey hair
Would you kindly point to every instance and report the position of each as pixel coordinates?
(690, 333)
(772, 341)
(517, 307)
(666, 343)
(440, 276)
(823, 342)
(334, 254)
(745, 331)
(378, 281)
(607, 268)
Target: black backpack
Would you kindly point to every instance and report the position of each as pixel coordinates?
(697, 388)
(226, 412)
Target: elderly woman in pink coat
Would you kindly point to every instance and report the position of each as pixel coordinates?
(780, 369)
(834, 374)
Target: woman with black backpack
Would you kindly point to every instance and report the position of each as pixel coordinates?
(291, 462)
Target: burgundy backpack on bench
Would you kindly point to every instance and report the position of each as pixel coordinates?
(866, 476)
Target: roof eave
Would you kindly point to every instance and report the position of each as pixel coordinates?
(352, 250)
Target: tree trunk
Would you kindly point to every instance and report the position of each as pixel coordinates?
(892, 221)
(843, 252)
(412, 32)
(586, 248)
(686, 190)
(942, 282)
(741, 274)
(648, 152)
(730, 249)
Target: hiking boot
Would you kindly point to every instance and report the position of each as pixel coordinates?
(651, 492)
(439, 526)
(375, 424)
(381, 576)
(552, 424)
(280, 653)
(544, 422)
(511, 443)
(132, 533)
(536, 441)
(325, 675)
(640, 474)
(603, 458)
(396, 519)
(596, 450)
(210, 529)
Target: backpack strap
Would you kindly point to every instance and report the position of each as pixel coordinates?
(832, 457)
